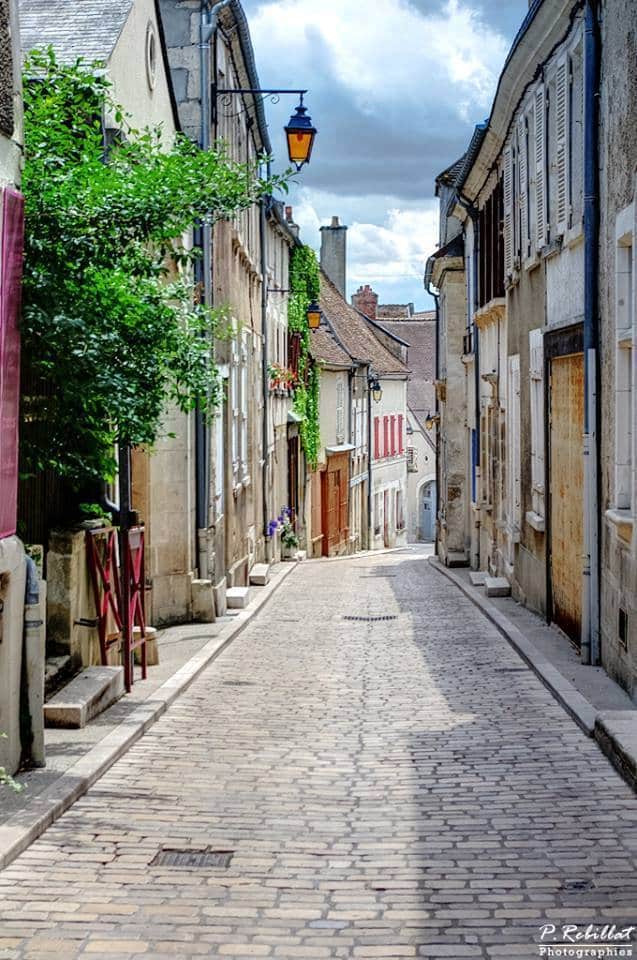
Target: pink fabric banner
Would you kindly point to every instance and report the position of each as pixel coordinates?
(12, 245)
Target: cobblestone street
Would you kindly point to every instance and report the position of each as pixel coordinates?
(396, 787)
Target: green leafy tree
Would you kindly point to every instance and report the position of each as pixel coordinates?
(304, 288)
(111, 323)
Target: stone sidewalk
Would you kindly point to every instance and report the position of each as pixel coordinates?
(601, 707)
(369, 770)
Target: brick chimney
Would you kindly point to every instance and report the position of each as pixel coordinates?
(333, 254)
(289, 219)
(366, 301)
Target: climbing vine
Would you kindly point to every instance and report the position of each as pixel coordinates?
(111, 325)
(304, 288)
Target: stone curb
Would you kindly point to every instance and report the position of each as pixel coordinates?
(20, 830)
(564, 692)
(616, 734)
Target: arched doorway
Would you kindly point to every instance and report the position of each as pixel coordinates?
(427, 510)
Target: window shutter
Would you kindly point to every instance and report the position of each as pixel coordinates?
(376, 438)
(401, 431)
(340, 412)
(385, 436)
(540, 169)
(576, 141)
(508, 211)
(392, 427)
(523, 190)
(561, 131)
(536, 373)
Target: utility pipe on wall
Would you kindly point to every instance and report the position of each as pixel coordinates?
(590, 646)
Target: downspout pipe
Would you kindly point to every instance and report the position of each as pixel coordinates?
(209, 17)
(590, 646)
(265, 381)
(476, 445)
(436, 299)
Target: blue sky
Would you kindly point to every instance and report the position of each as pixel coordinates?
(395, 89)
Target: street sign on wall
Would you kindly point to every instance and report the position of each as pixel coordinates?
(11, 250)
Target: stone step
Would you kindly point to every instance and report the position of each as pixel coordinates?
(237, 598)
(478, 577)
(260, 574)
(91, 692)
(497, 587)
(457, 559)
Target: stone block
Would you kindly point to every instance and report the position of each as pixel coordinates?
(260, 574)
(457, 559)
(477, 577)
(497, 587)
(152, 650)
(91, 692)
(203, 601)
(238, 598)
(219, 591)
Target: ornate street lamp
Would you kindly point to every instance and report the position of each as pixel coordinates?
(375, 389)
(300, 132)
(314, 316)
(431, 420)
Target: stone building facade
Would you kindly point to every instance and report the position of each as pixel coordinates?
(238, 479)
(549, 337)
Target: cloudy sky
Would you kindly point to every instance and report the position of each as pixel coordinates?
(395, 89)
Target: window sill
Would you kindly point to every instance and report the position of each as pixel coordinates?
(535, 521)
(623, 520)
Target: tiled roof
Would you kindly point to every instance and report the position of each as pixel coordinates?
(355, 333)
(392, 311)
(75, 28)
(421, 337)
(325, 347)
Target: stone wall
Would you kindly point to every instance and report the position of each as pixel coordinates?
(618, 163)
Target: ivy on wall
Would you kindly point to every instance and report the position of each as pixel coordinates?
(304, 288)
(109, 324)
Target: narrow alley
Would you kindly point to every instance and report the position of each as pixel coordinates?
(371, 771)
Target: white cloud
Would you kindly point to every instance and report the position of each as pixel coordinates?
(389, 254)
(387, 52)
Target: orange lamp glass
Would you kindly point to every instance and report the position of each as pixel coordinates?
(314, 316)
(300, 133)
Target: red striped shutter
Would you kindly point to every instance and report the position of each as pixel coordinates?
(385, 436)
(401, 432)
(376, 438)
(393, 435)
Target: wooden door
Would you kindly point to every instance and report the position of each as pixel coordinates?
(567, 491)
(331, 488)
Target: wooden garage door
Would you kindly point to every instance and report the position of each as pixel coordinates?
(567, 491)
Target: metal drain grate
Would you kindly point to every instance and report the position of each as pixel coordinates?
(511, 669)
(200, 859)
(239, 683)
(574, 886)
(391, 616)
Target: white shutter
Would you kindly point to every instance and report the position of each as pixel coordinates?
(514, 485)
(523, 189)
(561, 139)
(340, 412)
(536, 372)
(540, 169)
(576, 140)
(508, 211)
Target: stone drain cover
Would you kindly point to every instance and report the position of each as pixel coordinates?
(373, 619)
(201, 859)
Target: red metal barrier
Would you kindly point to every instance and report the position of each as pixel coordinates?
(118, 580)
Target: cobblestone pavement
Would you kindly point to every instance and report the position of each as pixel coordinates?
(396, 788)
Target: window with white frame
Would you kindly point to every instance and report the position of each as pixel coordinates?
(624, 385)
(514, 479)
(536, 388)
(239, 405)
(340, 411)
